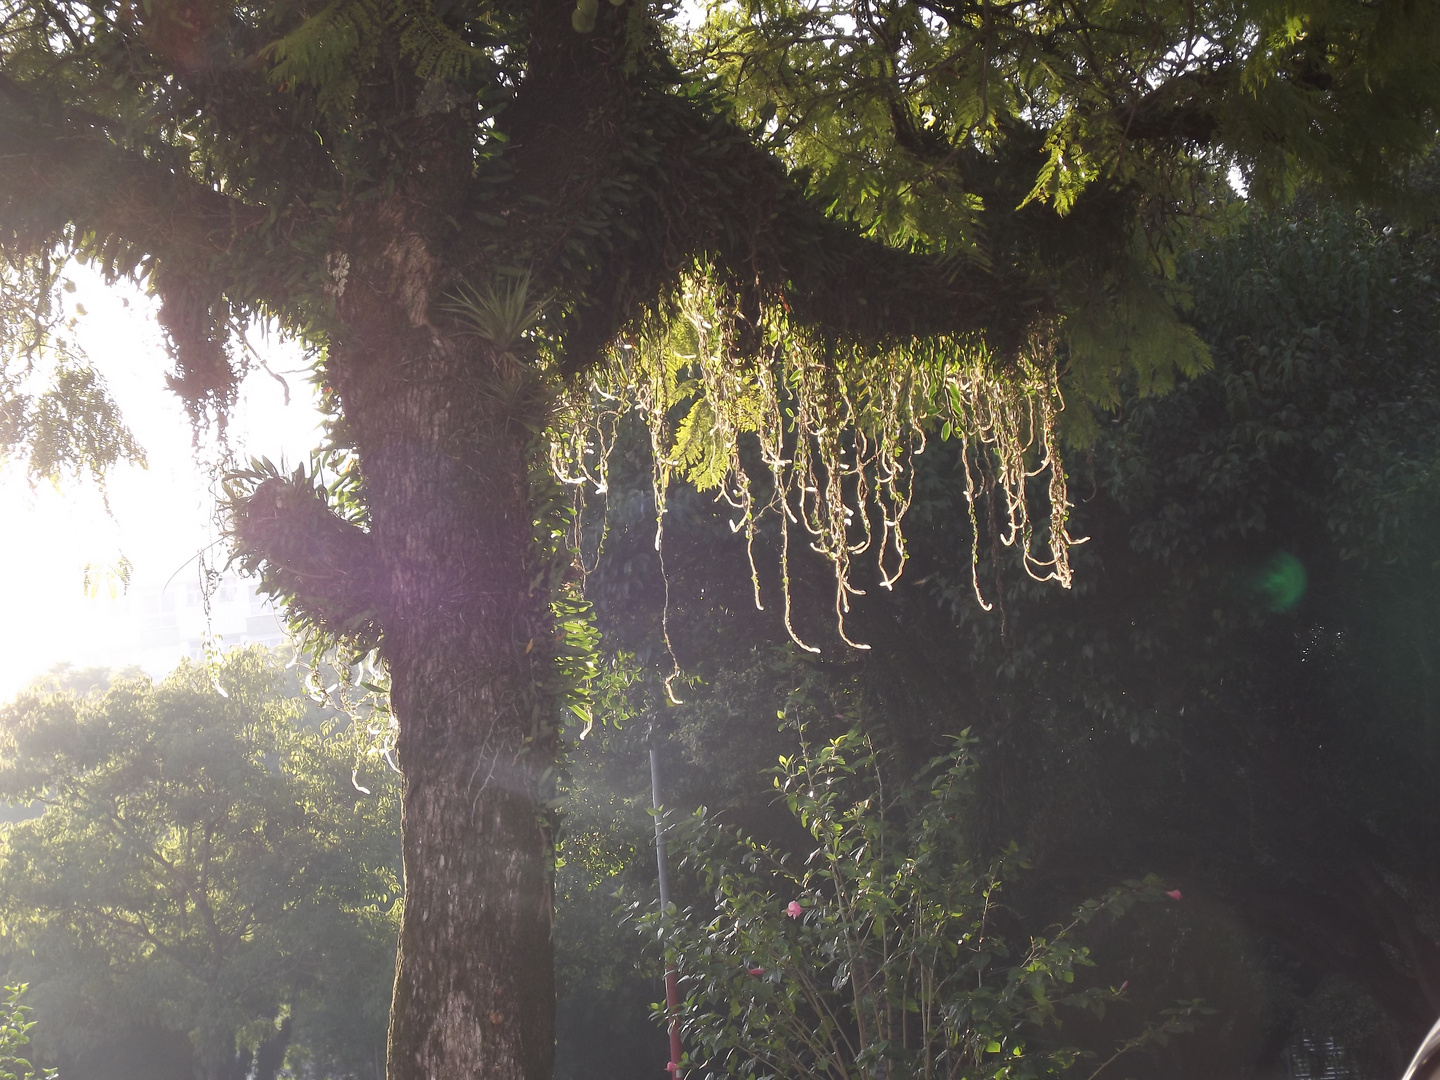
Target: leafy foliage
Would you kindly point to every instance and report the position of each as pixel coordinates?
(889, 89)
(1168, 715)
(55, 413)
(931, 123)
(1241, 698)
(836, 430)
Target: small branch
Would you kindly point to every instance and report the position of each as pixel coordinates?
(320, 564)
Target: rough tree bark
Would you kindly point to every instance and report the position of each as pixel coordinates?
(474, 991)
(467, 635)
(445, 463)
(474, 994)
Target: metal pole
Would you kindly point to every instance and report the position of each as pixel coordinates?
(672, 986)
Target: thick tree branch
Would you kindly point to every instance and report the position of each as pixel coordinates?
(69, 174)
(651, 177)
(768, 233)
(64, 177)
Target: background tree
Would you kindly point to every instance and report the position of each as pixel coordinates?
(204, 892)
(1248, 683)
(55, 413)
(360, 170)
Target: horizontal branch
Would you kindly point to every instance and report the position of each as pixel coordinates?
(622, 179)
(62, 176)
(769, 234)
(58, 173)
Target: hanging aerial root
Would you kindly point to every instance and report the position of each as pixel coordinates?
(837, 427)
(196, 327)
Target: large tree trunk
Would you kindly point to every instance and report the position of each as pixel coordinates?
(442, 420)
(474, 986)
(467, 637)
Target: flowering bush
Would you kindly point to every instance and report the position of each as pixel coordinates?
(878, 956)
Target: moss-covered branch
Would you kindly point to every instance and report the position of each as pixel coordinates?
(61, 173)
(322, 565)
(65, 180)
(624, 176)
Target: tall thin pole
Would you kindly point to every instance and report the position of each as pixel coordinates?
(672, 985)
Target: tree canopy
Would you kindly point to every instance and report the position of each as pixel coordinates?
(904, 218)
(203, 891)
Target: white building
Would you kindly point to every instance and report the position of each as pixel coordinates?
(154, 626)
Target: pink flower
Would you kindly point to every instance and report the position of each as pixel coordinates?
(757, 972)
(1175, 894)
(671, 1067)
(794, 910)
(1124, 985)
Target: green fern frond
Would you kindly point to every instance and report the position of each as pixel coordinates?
(328, 50)
(702, 450)
(436, 50)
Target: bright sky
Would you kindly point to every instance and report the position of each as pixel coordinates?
(160, 517)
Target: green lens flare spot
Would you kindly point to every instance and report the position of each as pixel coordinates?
(1282, 583)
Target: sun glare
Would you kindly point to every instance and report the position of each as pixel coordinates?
(66, 601)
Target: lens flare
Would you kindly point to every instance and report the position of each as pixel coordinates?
(1282, 583)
